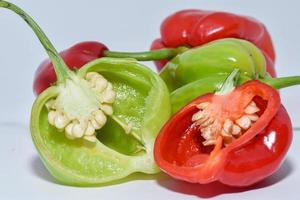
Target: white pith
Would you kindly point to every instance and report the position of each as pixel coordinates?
(230, 129)
(82, 106)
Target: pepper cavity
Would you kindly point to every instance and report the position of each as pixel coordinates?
(82, 106)
(212, 127)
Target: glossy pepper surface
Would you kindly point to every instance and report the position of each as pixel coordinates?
(216, 58)
(116, 153)
(240, 159)
(203, 69)
(193, 28)
(99, 123)
(74, 57)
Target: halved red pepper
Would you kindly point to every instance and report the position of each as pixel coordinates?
(75, 57)
(196, 27)
(255, 154)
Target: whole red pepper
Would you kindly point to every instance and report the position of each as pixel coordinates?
(182, 149)
(75, 57)
(196, 27)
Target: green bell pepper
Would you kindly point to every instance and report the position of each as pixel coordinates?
(185, 94)
(219, 57)
(203, 69)
(97, 124)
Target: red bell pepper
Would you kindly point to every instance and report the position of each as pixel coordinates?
(74, 57)
(197, 27)
(187, 151)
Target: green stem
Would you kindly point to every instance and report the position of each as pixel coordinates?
(61, 69)
(165, 53)
(282, 82)
(230, 83)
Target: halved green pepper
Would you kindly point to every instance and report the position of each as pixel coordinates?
(141, 98)
(121, 102)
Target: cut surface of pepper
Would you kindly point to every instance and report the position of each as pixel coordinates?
(213, 124)
(222, 137)
(107, 113)
(224, 126)
(82, 106)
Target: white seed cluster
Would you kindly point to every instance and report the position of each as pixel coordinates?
(230, 129)
(86, 129)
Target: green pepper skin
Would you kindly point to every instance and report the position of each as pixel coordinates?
(142, 100)
(219, 57)
(185, 94)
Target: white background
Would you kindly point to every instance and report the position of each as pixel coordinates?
(131, 26)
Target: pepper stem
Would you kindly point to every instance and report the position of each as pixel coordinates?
(230, 83)
(165, 53)
(282, 82)
(61, 69)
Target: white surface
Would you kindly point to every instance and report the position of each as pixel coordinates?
(122, 25)
(23, 176)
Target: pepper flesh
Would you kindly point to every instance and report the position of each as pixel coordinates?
(197, 27)
(248, 159)
(140, 96)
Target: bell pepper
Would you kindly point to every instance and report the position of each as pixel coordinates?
(96, 124)
(216, 58)
(74, 57)
(237, 136)
(196, 28)
(187, 93)
(199, 70)
(193, 28)
(212, 59)
(186, 80)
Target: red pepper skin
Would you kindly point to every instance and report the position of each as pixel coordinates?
(263, 156)
(75, 57)
(257, 154)
(197, 27)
